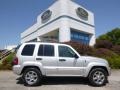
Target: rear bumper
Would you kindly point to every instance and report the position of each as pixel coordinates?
(17, 69)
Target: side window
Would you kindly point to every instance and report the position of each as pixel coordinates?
(65, 51)
(28, 50)
(46, 50)
(40, 51)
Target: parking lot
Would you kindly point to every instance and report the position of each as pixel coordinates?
(10, 81)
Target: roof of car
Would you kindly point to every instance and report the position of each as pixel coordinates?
(45, 43)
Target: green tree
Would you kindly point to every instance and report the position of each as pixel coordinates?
(113, 36)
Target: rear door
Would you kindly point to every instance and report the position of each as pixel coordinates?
(47, 57)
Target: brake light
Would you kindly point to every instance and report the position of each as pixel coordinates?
(15, 61)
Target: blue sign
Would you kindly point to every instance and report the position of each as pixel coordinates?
(82, 13)
(46, 16)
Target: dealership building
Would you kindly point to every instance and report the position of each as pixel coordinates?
(63, 21)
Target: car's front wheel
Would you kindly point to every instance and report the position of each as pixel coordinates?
(32, 76)
(98, 77)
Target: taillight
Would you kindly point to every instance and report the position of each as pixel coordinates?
(15, 61)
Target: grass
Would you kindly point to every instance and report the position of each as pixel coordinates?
(10, 57)
(0, 62)
(114, 62)
(6, 63)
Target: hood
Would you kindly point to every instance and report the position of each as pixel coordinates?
(94, 59)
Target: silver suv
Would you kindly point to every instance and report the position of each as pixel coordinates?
(36, 59)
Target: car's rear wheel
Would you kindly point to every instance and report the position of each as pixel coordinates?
(98, 77)
(32, 77)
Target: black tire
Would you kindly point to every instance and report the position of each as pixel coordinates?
(32, 75)
(99, 80)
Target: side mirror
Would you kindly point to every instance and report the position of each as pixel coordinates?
(76, 56)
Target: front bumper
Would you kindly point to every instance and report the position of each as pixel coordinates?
(109, 71)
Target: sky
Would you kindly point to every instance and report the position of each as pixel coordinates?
(18, 15)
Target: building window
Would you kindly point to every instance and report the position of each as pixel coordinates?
(80, 37)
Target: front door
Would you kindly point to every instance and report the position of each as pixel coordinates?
(68, 63)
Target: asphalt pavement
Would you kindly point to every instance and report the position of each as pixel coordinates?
(10, 81)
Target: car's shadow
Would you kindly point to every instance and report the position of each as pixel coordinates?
(59, 81)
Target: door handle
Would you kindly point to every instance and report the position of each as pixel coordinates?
(62, 60)
(38, 58)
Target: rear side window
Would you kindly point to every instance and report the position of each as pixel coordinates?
(46, 50)
(28, 50)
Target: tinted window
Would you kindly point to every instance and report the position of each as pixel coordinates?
(28, 50)
(40, 51)
(65, 52)
(46, 50)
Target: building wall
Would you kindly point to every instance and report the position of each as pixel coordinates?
(63, 18)
(43, 27)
